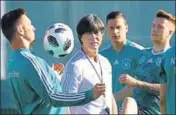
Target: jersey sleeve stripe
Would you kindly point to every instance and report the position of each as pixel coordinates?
(68, 74)
(53, 94)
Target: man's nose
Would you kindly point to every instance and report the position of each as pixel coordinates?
(33, 28)
(115, 31)
(94, 35)
(154, 30)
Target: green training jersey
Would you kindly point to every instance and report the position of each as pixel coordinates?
(36, 87)
(8, 103)
(169, 78)
(148, 70)
(122, 62)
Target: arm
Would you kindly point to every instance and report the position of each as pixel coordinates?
(41, 82)
(71, 78)
(114, 106)
(125, 92)
(149, 87)
(163, 99)
(163, 81)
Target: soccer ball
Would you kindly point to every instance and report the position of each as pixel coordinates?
(58, 40)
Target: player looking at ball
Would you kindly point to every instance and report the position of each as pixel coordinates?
(35, 85)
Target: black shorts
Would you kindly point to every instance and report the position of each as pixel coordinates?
(140, 111)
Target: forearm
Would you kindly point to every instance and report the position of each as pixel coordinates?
(61, 99)
(114, 106)
(125, 92)
(149, 87)
(163, 106)
(163, 99)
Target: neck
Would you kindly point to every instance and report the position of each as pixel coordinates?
(158, 47)
(20, 43)
(119, 45)
(92, 54)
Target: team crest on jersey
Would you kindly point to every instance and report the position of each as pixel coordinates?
(141, 60)
(158, 61)
(126, 63)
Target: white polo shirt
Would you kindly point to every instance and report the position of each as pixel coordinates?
(79, 75)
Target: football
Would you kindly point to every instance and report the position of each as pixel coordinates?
(58, 40)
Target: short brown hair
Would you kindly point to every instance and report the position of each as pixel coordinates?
(166, 15)
(9, 20)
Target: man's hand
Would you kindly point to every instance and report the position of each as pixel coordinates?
(59, 67)
(98, 90)
(127, 79)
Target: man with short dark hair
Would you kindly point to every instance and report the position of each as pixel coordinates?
(122, 54)
(35, 85)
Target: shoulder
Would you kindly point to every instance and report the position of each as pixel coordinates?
(27, 57)
(135, 45)
(31, 60)
(77, 57)
(104, 60)
(76, 60)
(147, 49)
(170, 50)
(170, 53)
(106, 49)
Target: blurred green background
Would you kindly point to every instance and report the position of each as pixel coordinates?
(139, 14)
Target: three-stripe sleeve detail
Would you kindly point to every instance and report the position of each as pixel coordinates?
(58, 96)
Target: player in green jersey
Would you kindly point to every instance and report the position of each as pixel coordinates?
(35, 86)
(146, 98)
(122, 54)
(167, 91)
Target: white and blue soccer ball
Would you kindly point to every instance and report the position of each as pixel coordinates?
(59, 40)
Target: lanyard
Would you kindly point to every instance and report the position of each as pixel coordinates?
(100, 78)
(101, 71)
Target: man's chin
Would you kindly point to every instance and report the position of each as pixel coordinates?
(156, 40)
(94, 49)
(32, 42)
(117, 41)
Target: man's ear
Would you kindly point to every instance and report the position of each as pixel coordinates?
(20, 30)
(171, 32)
(171, 29)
